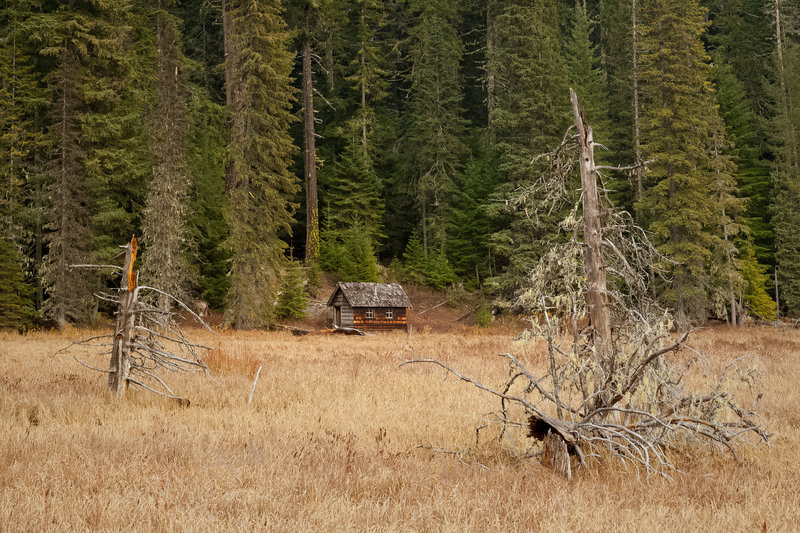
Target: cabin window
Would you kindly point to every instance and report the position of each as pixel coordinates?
(369, 313)
(389, 314)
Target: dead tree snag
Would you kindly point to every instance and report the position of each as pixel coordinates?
(119, 367)
(147, 340)
(599, 315)
(609, 393)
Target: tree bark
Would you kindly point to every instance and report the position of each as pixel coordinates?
(312, 208)
(599, 314)
(555, 455)
(120, 364)
(729, 259)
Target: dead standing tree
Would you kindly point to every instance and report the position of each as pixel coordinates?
(610, 391)
(146, 339)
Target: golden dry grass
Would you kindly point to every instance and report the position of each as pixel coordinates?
(330, 444)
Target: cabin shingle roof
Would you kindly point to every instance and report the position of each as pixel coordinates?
(360, 294)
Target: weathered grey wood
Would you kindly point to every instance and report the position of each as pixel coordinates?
(599, 313)
(555, 455)
(346, 317)
(253, 390)
(120, 364)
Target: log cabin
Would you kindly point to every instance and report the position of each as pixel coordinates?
(370, 306)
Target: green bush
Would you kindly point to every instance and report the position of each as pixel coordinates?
(483, 318)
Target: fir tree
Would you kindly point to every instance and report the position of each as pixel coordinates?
(436, 127)
(440, 273)
(293, 300)
(585, 75)
(259, 96)
(20, 97)
(207, 227)
(786, 174)
(82, 39)
(740, 38)
(679, 203)
(755, 279)
(368, 77)
(415, 262)
(726, 282)
(352, 194)
(164, 225)
(470, 224)
(743, 129)
(350, 254)
(528, 118)
(16, 306)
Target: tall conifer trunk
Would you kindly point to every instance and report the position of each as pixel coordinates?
(312, 209)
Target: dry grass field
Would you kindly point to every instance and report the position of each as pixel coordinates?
(330, 440)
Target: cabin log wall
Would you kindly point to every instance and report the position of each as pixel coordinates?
(379, 322)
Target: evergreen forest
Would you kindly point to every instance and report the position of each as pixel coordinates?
(249, 144)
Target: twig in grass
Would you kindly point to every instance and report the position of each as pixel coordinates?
(253, 390)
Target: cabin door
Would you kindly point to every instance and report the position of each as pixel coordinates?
(337, 319)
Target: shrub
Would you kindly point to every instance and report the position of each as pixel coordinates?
(483, 318)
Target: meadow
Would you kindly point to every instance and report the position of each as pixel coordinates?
(331, 442)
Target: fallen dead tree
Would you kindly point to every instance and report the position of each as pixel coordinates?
(618, 384)
(147, 340)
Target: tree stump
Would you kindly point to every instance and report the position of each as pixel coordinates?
(555, 455)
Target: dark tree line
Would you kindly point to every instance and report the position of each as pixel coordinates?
(233, 134)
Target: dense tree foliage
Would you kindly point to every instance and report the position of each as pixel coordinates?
(201, 125)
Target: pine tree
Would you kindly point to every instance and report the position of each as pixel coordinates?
(19, 98)
(16, 306)
(436, 125)
(528, 118)
(470, 224)
(786, 174)
(352, 194)
(259, 97)
(164, 223)
(293, 300)
(679, 202)
(207, 227)
(81, 38)
(415, 262)
(585, 75)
